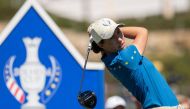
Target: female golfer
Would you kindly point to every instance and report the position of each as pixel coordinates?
(129, 66)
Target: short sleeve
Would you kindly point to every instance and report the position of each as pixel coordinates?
(130, 57)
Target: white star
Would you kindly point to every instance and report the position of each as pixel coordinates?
(7, 66)
(53, 86)
(57, 73)
(48, 92)
(132, 57)
(56, 79)
(7, 77)
(6, 71)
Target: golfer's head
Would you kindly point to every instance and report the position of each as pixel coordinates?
(107, 35)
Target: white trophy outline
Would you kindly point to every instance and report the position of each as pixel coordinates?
(30, 77)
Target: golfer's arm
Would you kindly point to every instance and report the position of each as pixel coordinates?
(139, 34)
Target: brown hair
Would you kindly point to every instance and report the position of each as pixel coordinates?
(96, 48)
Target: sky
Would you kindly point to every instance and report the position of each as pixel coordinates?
(116, 9)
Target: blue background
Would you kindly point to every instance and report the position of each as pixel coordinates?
(32, 25)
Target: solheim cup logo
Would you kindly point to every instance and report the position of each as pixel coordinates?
(33, 76)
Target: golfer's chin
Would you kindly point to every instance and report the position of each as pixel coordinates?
(122, 46)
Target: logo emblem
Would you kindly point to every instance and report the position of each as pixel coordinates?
(37, 83)
(106, 22)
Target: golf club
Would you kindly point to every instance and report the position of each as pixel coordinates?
(87, 98)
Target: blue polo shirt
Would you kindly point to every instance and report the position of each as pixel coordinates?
(140, 77)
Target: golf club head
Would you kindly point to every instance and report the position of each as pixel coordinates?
(87, 99)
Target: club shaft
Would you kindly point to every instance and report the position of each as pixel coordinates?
(83, 71)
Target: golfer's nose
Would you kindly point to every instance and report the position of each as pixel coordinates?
(120, 39)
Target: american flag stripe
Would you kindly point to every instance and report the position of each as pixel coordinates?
(20, 96)
(12, 86)
(15, 90)
(9, 82)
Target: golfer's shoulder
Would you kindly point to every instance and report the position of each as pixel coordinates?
(130, 49)
(130, 56)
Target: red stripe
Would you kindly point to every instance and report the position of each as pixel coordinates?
(22, 99)
(12, 84)
(16, 91)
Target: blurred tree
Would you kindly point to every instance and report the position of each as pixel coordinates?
(178, 67)
(8, 8)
